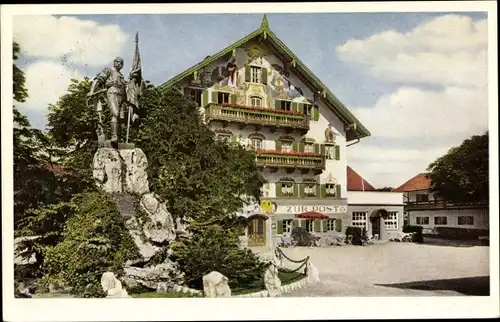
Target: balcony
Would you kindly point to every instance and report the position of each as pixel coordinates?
(290, 161)
(258, 116)
(440, 204)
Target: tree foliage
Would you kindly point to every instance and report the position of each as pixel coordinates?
(462, 174)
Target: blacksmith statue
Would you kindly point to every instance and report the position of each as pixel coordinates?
(120, 96)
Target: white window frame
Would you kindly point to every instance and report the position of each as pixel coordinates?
(287, 226)
(310, 189)
(309, 228)
(223, 94)
(287, 188)
(422, 218)
(330, 152)
(254, 99)
(392, 221)
(359, 219)
(466, 221)
(255, 74)
(330, 189)
(255, 146)
(330, 224)
(308, 147)
(446, 221)
(286, 146)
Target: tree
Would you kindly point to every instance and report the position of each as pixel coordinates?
(385, 189)
(462, 174)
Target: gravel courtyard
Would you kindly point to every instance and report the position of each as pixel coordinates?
(395, 269)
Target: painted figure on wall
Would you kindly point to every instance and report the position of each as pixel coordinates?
(330, 134)
(232, 73)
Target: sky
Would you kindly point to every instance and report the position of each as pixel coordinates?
(417, 81)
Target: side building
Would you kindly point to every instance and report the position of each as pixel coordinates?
(257, 93)
(426, 209)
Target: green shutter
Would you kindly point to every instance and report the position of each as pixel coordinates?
(323, 149)
(301, 107)
(323, 190)
(232, 98)
(338, 225)
(301, 147)
(278, 189)
(316, 148)
(316, 113)
(325, 225)
(277, 104)
(215, 97)
(295, 147)
(247, 73)
(295, 190)
(204, 99)
(279, 224)
(337, 152)
(317, 225)
(294, 107)
(318, 190)
(278, 145)
(302, 192)
(337, 195)
(295, 223)
(264, 76)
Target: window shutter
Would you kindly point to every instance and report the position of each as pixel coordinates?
(337, 152)
(278, 189)
(301, 147)
(264, 76)
(325, 225)
(318, 191)
(295, 223)
(277, 104)
(186, 91)
(300, 107)
(295, 190)
(232, 98)
(294, 106)
(337, 195)
(247, 73)
(295, 147)
(317, 226)
(279, 224)
(278, 145)
(316, 148)
(302, 190)
(215, 97)
(316, 113)
(323, 149)
(338, 225)
(204, 98)
(323, 190)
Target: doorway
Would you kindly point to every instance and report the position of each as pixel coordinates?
(257, 232)
(375, 223)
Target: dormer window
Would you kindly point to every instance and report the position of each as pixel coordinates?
(255, 101)
(256, 144)
(255, 74)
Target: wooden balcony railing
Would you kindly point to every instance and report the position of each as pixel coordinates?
(439, 204)
(256, 115)
(296, 160)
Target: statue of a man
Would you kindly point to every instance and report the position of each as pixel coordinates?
(112, 80)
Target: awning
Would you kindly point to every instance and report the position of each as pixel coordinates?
(312, 215)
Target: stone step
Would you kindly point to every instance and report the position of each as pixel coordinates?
(125, 204)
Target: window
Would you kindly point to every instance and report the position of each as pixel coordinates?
(330, 190)
(286, 146)
(287, 188)
(422, 197)
(391, 222)
(255, 101)
(308, 108)
(255, 74)
(287, 225)
(359, 219)
(222, 98)
(422, 220)
(330, 225)
(310, 225)
(223, 137)
(310, 189)
(256, 144)
(465, 220)
(195, 95)
(309, 147)
(330, 152)
(440, 221)
(284, 105)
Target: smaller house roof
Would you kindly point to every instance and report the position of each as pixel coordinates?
(418, 182)
(357, 183)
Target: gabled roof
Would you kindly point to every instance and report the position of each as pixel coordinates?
(418, 182)
(357, 131)
(357, 183)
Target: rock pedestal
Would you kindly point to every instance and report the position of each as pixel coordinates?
(216, 285)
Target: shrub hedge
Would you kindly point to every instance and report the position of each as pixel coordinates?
(417, 236)
(461, 233)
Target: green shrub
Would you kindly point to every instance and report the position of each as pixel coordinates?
(356, 233)
(417, 236)
(217, 249)
(95, 240)
(461, 233)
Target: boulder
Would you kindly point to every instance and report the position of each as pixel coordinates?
(272, 280)
(135, 176)
(216, 285)
(112, 286)
(312, 273)
(107, 168)
(160, 227)
(146, 248)
(160, 276)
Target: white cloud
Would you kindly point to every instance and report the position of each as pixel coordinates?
(73, 40)
(449, 53)
(46, 81)
(448, 50)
